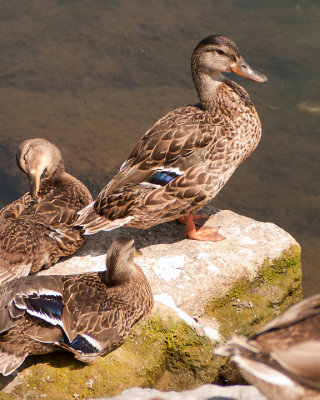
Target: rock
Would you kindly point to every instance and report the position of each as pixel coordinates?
(204, 292)
(205, 392)
(310, 107)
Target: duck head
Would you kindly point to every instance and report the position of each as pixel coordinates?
(39, 158)
(217, 54)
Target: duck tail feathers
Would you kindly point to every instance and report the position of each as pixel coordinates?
(91, 222)
(10, 362)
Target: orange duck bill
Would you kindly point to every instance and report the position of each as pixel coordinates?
(244, 69)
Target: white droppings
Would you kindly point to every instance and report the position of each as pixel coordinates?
(212, 333)
(168, 301)
(246, 240)
(169, 268)
(214, 269)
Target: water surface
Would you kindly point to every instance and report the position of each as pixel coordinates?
(93, 75)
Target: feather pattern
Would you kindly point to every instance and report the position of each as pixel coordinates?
(37, 229)
(87, 314)
(283, 358)
(205, 142)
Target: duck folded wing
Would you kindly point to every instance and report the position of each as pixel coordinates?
(41, 298)
(95, 332)
(160, 157)
(55, 212)
(93, 319)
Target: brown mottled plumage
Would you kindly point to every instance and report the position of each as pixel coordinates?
(87, 314)
(283, 359)
(188, 155)
(37, 229)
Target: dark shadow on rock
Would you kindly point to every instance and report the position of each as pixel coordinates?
(166, 233)
(5, 380)
(58, 359)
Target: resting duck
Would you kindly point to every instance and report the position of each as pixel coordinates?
(87, 314)
(188, 155)
(283, 359)
(37, 229)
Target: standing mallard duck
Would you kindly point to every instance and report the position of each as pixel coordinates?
(283, 359)
(87, 314)
(37, 229)
(188, 155)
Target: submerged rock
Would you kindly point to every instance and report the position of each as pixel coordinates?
(204, 292)
(310, 107)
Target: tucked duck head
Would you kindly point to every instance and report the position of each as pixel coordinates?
(216, 54)
(120, 264)
(37, 158)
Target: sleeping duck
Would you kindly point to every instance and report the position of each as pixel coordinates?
(38, 228)
(87, 314)
(188, 155)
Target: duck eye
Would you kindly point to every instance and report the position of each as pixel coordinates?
(221, 52)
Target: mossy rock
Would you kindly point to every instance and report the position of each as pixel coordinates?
(162, 351)
(251, 303)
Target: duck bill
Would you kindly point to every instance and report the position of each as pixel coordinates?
(246, 71)
(35, 184)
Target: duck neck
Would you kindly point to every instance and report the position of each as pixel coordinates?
(207, 86)
(55, 173)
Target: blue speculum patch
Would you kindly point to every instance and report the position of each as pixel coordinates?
(163, 177)
(46, 304)
(80, 344)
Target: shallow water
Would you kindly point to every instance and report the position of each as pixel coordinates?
(92, 76)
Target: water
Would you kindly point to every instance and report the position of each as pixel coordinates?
(92, 76)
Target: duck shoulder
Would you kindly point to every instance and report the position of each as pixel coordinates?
(58, 202)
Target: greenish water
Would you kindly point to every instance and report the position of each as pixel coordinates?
(92, 76)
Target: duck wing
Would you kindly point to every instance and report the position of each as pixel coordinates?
(95, 319)
(30, 314)
(38, 296)
(178, 144)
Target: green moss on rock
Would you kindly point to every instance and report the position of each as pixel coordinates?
(251, 303)
(162, 351)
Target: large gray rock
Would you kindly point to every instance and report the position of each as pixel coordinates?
(204, 292)
(205, 392)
